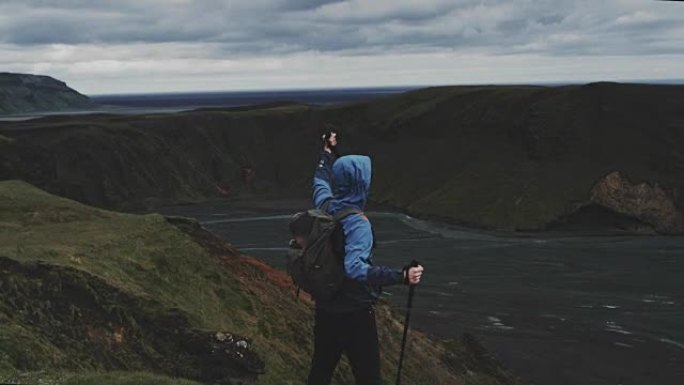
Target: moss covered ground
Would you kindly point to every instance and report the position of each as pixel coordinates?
(95, 296)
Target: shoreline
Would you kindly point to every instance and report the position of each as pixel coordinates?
(290, 205)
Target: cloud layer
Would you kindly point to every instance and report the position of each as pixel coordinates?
(104, 46)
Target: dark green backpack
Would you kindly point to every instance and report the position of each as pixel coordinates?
(318, 266)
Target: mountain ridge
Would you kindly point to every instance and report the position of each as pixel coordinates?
(496, 157)
(26, 93)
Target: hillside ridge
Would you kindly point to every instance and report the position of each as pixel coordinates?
(497, 157)
(26, 93)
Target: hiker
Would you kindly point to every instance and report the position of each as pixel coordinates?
(346, 323)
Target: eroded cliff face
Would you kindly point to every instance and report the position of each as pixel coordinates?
(648, 203)
(23, 93)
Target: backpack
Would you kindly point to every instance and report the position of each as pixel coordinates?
(318, 268)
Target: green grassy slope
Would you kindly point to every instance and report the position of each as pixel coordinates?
(86, 291)
(502, 157)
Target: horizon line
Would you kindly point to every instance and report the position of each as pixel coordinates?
(394, 87)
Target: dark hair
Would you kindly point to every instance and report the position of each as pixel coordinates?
(328, 130)
(327, 133)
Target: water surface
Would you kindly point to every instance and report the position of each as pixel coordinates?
(555, 309)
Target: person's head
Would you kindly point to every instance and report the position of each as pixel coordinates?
(352, 179)
(329, 136)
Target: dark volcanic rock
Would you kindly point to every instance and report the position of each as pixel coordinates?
(594, 218)
(22, 93)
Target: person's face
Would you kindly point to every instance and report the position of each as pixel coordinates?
(332, 140)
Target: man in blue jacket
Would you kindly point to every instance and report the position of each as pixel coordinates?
(346, 324)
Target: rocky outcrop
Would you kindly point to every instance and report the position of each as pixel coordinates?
(651, 204)
(22, 93)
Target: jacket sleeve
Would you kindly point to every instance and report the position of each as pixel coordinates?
(358, 248)
(322, 180)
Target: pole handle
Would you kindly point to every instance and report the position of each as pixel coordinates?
(412, 289)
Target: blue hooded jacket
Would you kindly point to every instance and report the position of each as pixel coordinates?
(351, 176)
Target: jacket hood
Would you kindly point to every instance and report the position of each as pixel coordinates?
(351, 178)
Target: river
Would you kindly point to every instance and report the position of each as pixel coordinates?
(555, 309)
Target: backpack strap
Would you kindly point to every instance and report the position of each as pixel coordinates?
(345, 213)
(340, 214)
(326, 203)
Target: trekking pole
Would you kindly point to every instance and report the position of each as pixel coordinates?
(412, 289)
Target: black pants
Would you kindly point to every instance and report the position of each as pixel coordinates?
(354, 334)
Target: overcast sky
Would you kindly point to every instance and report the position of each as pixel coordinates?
(137, 46)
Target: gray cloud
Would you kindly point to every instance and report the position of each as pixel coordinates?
(186, 37)
(261, 26)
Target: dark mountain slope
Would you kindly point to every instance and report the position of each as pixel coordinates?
(22, 93)
(500, 157)
(523, 157)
